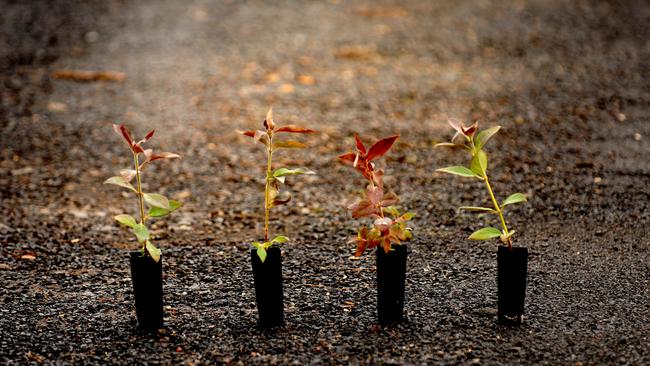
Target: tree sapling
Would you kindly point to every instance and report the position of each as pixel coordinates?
(275, 178)
(385, 230)
(158, 204)
(469, 139)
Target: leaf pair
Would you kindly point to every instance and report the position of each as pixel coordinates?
(124, 132)
(491, 232)
(264, 136)
(142, 235)
(262, 247)
(362, 158)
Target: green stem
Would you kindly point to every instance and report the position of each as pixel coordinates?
(267, 204)
(499, 211)
(139, 188)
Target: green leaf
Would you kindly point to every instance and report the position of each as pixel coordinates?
(482, 138)
(280, 239)
(281, 172)
(159, 212)
(291, 144)
(141, 233)
(126, 220)
(485, 234)
(479, 163)
(157, 200)
(409, 215)
(154, 252)
(392, 210)
(459, 170)
(514, 198)
(261, 252)
(445, 144)
(120, 181)
(481, 209)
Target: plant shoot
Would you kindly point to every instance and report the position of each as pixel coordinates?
(277, 177)
(157, 204)
(389, 226)
(469, 139)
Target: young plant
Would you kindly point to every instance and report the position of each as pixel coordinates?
(158, 204)
(274, 178)
(385, 230)
(467, 138)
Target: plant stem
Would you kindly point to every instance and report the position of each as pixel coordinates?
(139, 188)
(267, 204)
(381, 210)
(499, 211)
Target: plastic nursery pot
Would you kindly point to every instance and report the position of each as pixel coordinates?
(148, 290)
(512, 267)
(391, 278)
(268, 287)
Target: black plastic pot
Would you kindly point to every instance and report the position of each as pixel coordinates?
(391, 279)
(512, 267)
(268, 287)
(148, 290)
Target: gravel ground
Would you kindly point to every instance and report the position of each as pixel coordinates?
(566, 79)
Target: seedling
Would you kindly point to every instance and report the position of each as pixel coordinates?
(467, 138)
(385, 230)
(277, 177)
(158, 204)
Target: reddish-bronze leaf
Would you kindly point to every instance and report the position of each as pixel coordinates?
(363, 208)
(374, 194)
(122, 131)
(164, 155)
(360, 146)
(381, 147)
(389, 200)
(385, 243)
(149, 135)
(348, 158)
(137, 149)
(294, 129)
(247, 133)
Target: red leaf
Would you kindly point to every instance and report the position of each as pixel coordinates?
(137, 149)
(360, 146)
(363, 208)
(386, 245)
(247, 133)
(164, 155)
(374, 194)
(294, 129)
(348, 158)
(124, 132)
(149, 135)
(381, 147)
(389, 200)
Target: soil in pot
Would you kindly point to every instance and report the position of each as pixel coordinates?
(268, 287)
(512, 267)
(391, 278)
(148, 290)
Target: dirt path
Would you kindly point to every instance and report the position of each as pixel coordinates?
(566, 79)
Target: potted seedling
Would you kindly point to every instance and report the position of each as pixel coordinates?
(146, 263)
(512, 261)
(387, 233)
(266, 257)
